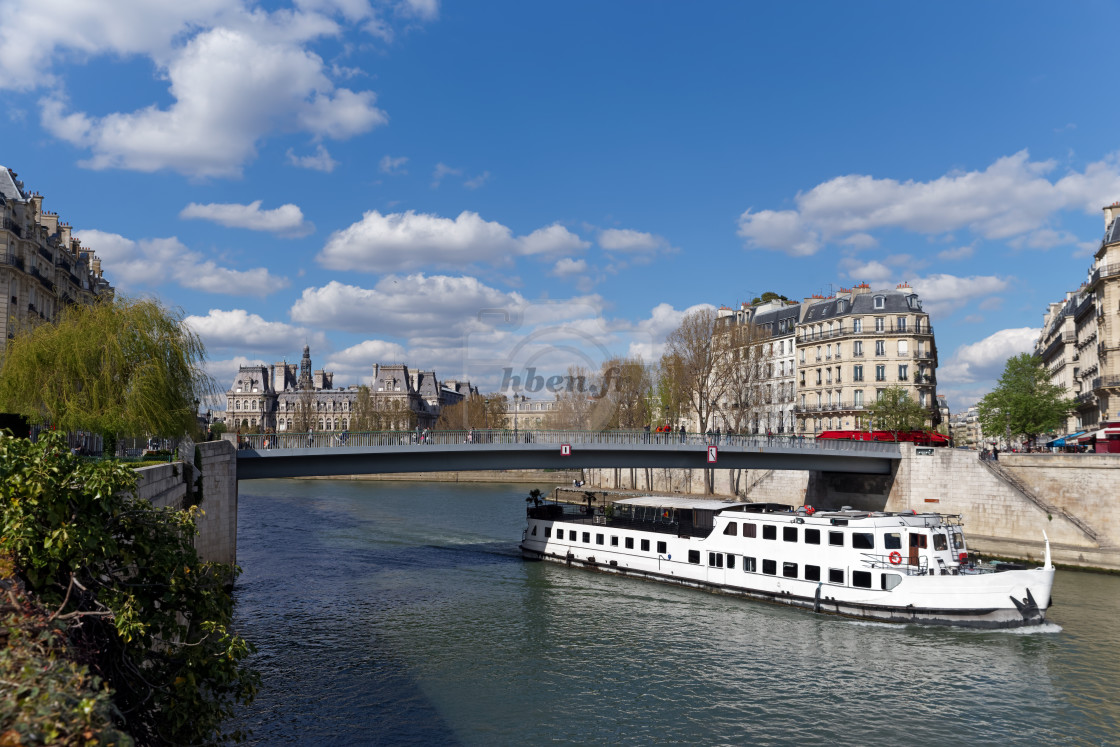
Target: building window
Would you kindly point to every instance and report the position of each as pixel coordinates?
(880, 324)
(880, 373)
(880, 302)
(857, 397)
(730, 562)
(857, 348)
(547, 532)
(857, 325)
(903, 347)
(903, 372)
(902, 324)
(818, 377)
(880, 347)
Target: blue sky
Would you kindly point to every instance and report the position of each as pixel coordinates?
(468, 186)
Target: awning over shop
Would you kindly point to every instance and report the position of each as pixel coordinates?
(1065, 439)
(1103, 433)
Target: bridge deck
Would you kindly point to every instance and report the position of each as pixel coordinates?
(290, 455)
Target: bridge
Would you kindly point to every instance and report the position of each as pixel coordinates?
(325, 454)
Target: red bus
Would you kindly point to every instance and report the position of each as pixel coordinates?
(920, 438)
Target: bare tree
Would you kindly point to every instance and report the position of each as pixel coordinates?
(700, 361)
(364, 417)
(580, 407)
(747, 371)
(305, 410)
(628, 390)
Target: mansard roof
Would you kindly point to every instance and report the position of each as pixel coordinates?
(10, 187)
(427, 385)
(894, 302)
(772, 320)
(1112, 235)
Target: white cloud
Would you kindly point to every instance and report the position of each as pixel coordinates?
(355, 363)
(443, 170)
(130, 265)
(627, 240)
(1043, 238)
(1013, 197)
(320, 161)
(231, 87)
(943, 294)
(426, 9)
(984, 360)
(403, 241)
(246, 332)
(650, 333)
(477, 181)
(567, 267)
(872, 271)
(960, 252)
(285, 220)
(393, 166)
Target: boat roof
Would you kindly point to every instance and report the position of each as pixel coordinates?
(677, 501)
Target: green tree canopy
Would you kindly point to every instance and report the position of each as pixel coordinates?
(896, 411)
(1024, 402)
(125, 366)
(148, 615)
(768, 296)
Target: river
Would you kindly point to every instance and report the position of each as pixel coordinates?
(402, 613)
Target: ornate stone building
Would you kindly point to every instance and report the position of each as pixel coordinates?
(42, 268)
(856, 343)
(1080, 340)
(287, 397)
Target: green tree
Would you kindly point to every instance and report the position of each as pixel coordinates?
(1024, 402)
(896, 411)
(124, 366)
(150, 618)
(768, 296)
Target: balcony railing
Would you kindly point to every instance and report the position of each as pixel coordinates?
(45, 254)
(1104, 271)
(834, 407)
(1106, 382)
(14, 227)
(888, 330)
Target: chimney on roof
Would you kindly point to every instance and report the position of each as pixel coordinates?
(1111, 212)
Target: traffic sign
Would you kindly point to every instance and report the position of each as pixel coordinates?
(712, 454)
(565, 449)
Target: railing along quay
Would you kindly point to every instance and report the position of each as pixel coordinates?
(483, 437)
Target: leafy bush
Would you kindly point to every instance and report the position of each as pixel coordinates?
(146, 614)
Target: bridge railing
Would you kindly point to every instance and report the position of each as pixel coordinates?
(487, 436)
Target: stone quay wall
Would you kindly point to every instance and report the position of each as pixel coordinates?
(175, 485)
(1073, 498)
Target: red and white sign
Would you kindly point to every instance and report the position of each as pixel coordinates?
(565, 449)
(712, 454)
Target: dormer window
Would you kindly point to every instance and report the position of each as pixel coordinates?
(880, 302)
(914, 302)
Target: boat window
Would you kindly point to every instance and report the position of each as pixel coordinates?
(769, 532)
(572, 535)
(918, 540)
(534, 532)
(749, 565)
(789, 534)
(732, 529)
(812, 536)
(958, 540)
(694, 556)
(940, 542)
(715, 559)
(587, 537)
(750, 530)
(863, 540)
(730, 561)
(599, 539)
(645, 545)
(836, 539)
(888, 581)
(892, 541)
(812, 573)
(789, 570)
(547, 532)
(770, 567)
(629, 543)
(862, 579)
(614, 541)
(661, 548)
(835, 575)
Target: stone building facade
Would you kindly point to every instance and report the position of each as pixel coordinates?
(853, 345)
(284, 396)
(1080, 340)
(42, 267)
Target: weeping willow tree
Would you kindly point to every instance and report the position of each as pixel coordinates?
(125, 367)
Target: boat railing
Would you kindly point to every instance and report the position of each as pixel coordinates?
(896, 561)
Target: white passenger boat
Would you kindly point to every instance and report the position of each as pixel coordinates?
(903, 568)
